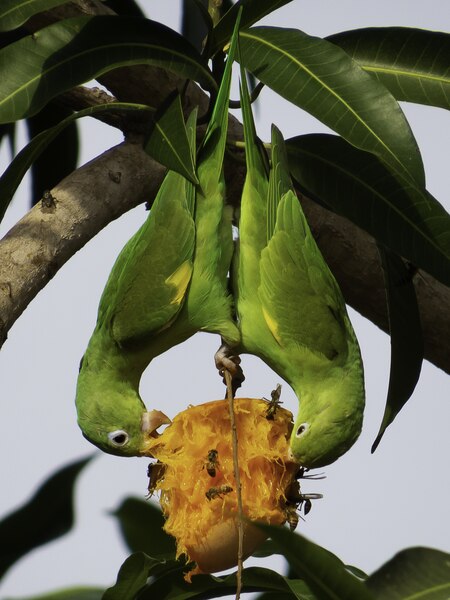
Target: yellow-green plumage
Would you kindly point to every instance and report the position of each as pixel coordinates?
(290, 309)
(169, 282)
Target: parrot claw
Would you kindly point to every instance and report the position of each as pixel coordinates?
(227, 361)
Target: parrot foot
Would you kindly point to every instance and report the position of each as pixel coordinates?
(227, 361)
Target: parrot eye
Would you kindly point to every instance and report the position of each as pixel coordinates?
(301, 429)
(118, 438)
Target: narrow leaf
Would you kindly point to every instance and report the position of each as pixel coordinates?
(14, 13)
(324, 573)
(141, 524)
(252, 11)
(413, 574)
(412, 63)
(47, 516)
(60, 157)
(357, 185)
(406, 336)
(39, 67)
(322, 79)
(169, 140)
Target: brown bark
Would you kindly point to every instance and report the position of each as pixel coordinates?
(99, 192)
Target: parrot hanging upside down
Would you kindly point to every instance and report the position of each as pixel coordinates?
(290, 309)
(169, 281)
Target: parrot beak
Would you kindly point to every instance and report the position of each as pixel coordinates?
(153, 419)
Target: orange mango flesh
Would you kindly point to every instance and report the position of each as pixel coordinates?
(206, 530)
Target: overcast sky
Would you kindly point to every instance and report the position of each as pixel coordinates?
(373, 506)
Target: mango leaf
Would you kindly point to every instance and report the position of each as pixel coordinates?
(37, 68)
(61, 155)
(322, 79)
(357, 185)
(411, 63)
(78, 593)
(413, 574)
(132, 577)
(14, 13)
(15, 172)
(172, 586)
(47, 516)
(195, 22)
(141, 524)
(406, 336)
(321, 570)
(253, 11)
(169, 140)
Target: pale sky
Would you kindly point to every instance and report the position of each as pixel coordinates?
(373, 506)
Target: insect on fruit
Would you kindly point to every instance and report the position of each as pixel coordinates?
(212, 462)
(217, 492)
(274, 403)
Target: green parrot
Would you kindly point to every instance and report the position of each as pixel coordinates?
(169, 281)
(290, 310)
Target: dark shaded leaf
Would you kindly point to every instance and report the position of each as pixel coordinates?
(60, 156)
(323, 572)
(172, 586)
(406, 336)
(132, 577)
(141, 524)
(169, 140)
(253, 11)
(39, 67)
(47, 516)
(356, 572)
(357, 185)
(8, 132)
(322, 79)
(412, 63)
(413, 574)
(130, 8)
(78, 593)
(14, 13)
(195, 22)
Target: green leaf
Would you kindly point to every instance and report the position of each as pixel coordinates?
(406, 336)
(141, 524)
(321, 570)
(47, 516)
(252, 11)
(14, 13)
(412, 63)
(60, 156)
(169, 140)
(195, 22)
(413, 574)
(78, 593)
(13, 175)
(358, 186)
(172, 586)
(132, 577)
(322, 79)
(39, 67)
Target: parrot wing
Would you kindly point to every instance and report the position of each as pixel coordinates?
(148, 282)
(301, 302)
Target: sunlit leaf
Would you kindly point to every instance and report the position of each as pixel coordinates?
(321, 570)
(169, 140)
(413, 574)
(412, 63)
(14, 13)
(322, 79)
(47, 516)
(357, 185)
(141, 524)
(406, 336)
(39, 67)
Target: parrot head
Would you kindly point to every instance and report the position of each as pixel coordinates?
(329, 420)
(113, 417)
